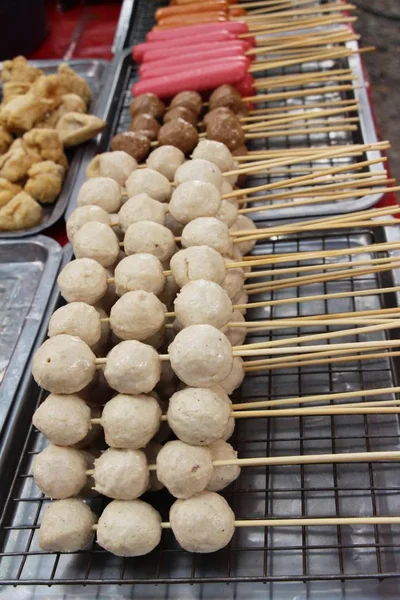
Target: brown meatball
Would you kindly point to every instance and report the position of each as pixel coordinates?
(180, 112)
(220, 111)
(149, 104)
(243, 110)
(226, 129)
(191, 100)
(226, 95)
(145, 124)
(179, 133)
(135, 144)
(240, 151)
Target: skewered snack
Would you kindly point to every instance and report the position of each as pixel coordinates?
(83, 280)
(121, 474)
(145, 124)
(78, 319)
(132, 368)
(137, 315)
(141, 207)
(148, 104)
(67, 526)
(193, 199)
(178, 133)
(64, 418)
(207, 231)
(101, 191)
(135, 144)
(86, 214)
(198, 262)
(97, 241)
(117, 165)
(201, 302)
(199, 169)
(139, 272)
(222, 476)
(166, 160)
(150, 238)
(183, 469)
(149, 182)
(180, 112)
(215, 152)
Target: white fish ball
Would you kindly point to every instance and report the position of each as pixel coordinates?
(63, 418)
(86, 214)
(215, 152)
(150, 238)
(137, 315)
(183, 469)
(67, 526)
(244, 224)
(102, 191)
(141, 208)
(200, 170)
(223, 475)
(60, 472)
(197, 262)
(203, 302)
(166, 160)
(235, 377)
(132, 368)
(227, 213)
(83, 280)
(139, 272)
(121, 474)
(194, 199)
(78, 319)
(207, 231)
(97, 241)
(237, 335)
(150, 182)
(117, 165)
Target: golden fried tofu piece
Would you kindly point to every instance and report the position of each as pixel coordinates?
(69, 103)
(22, 212)
(7, 191)
(45, 181)
(75, 128)
(73, 84)
(12, 89)
(45, 144)
(19, 69)
(49, 87)
(16, 162)
(21, 113)
(6, 139)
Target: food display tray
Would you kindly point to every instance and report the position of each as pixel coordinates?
(28, 270)
(353, 562)
(95, 72)
(137, 18)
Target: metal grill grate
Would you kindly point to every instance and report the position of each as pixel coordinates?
(287, 554)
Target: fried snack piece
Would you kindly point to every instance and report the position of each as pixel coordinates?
(19, 69)
(15, 164)
(21, 113)
(7, 191)
(22, 212)
(69, 103)
(49, 87)
(45, 181)
(6, 139)
(12, 89)
(75, 128)
(45, 144)
(71, 83)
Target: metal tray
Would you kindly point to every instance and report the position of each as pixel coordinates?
(28, 269)
(333, 561)
(95, 72)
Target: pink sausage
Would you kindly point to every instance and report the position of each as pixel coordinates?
(166, 52)
(173, 32)
(187, 58)
(245, 87)
(213, 36)
(152, 72)
(207, 77)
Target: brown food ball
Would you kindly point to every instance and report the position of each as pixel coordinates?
(180, 112)
(149, 104)
(136, 145)
(216, 112)
(189, 99)
(146, 125)
(227, 130)
(240, 150)
(243, 110)
(226, 95)
(179, 133)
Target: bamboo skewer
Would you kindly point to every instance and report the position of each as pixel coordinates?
(257, 113)
(307, 41)
(305, 116)
(299, 24)
(322, 8)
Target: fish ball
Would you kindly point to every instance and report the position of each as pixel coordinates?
(224, 475)
(227, 213)
(132, 368)
(237, 335)
(230, 428)
(121, 474)
(183, 469)
(141, 208)
(67, 526)
(244, 224)
(203, 302)
(150, 182)
(207, 231)
(97, 241)
(201, 355)
(78, 319)
(197, 262)
(199, 170)
(137, 315)
(139, 272)
(117, 165)
(64, 419)
(234, 280)
(63, 364)
(168, 294)
(203, 523)
(83, 280)
(150, 238)
(86, 214)
(194, 199)
(130, 421)
(235, 377)
(60, 472)
(166, 160)
(198, 416)
(214, 152)
(102, 191)
(129, 528)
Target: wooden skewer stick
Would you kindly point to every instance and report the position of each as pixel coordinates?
(321, 9)
(298, 93)
(299, 24)
(317, 398)
(265, 366)
(283, 110)
(306, 42)
(275, 3)
(300, 131)
(303, 116)
(253, 326)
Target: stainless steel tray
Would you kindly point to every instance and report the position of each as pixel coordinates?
(28, 270)
(332, 561)
(95, 72)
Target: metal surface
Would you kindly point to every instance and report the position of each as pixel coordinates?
(28, 269)
(331, 554)
(94, 71)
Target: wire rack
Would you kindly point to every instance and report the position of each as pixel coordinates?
(289, 554)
